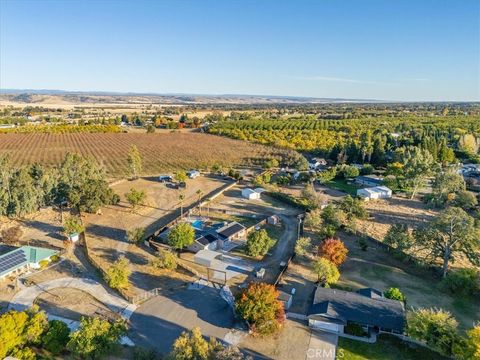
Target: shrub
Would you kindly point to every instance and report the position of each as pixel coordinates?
(333, 250)
(72, 225)
(302, 246)
(43, 264)
(395, 294)
(164, 260)
(135, 235)
(462, 281)
(117, 274)
(367, 169)
(354, 329)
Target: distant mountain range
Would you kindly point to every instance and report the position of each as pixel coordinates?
(44, 97)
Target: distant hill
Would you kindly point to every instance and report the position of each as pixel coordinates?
(60, 97)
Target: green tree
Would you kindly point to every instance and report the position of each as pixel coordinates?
(417, 166)
(462, 282)
(326, 271)
(303, 246)
(258, 243)
(181, 197)
(465, 199)
(73, 225)
(164, 260)
(134, 161)
(438, 328)
(191, 346)
(327, 175)
(181, 235)
(445, 186)
(353, 208)
(259, 305)
(135, 197)
(56, 338)
(118, 273)
(399, 237)
(452, 234)
(395, 294)
(95, 337)
(180, 176)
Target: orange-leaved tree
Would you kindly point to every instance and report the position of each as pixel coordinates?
(259, 305)
(333, 250)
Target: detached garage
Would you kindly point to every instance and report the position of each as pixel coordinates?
(250, 194)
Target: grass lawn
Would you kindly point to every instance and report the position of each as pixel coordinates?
(387, 347)
(342, 185)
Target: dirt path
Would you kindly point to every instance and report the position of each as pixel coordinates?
(285, 245)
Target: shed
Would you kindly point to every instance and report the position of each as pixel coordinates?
(377, 192)
(250, 194)
(273, 220)
(206, 257)
(192, 174)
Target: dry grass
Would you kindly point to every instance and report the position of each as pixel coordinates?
(160, 152)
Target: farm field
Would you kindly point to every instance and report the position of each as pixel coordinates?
(160, 152)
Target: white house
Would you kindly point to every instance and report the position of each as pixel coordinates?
(250, 194)
(377, 192)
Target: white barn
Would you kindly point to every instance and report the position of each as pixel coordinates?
(377, 192)
(250, 194)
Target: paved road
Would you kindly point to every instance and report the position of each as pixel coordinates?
(24, 298)
(322, 346)
(160, 320)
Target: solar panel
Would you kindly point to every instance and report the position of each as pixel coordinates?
(12, 259)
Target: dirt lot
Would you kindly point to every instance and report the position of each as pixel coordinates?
(73, 304)
(397, 210)
(289, 344)
(106, 233)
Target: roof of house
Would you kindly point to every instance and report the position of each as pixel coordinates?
(283, 296)
(230, 229)
(207, 239)
(371, 293)
(248, 191)
(344, 306)
(22, 256)
(375, 190)
(369, 178)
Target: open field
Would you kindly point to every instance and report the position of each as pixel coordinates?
(160, 152)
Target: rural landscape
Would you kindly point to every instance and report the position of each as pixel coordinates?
(177, 217)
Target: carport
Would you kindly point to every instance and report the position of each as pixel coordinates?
(206, 257)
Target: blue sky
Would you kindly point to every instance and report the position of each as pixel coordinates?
(385, 49)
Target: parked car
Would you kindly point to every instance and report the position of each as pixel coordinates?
(182, 184)
(165, 178)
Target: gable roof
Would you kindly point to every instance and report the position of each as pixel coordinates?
(230, 229)
(370, 178)
(344, 306)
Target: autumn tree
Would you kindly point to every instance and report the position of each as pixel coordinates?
(181, 236)
(191, 345)
(259, 305)
(118, 273)
(449, 236)
(326, 271)
(134, 161)
(469, 144)
(333, 250)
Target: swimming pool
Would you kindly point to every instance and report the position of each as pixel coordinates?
(198, 224)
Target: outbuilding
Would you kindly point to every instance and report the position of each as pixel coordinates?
(368, 180)
(206, 257)
(250, 194)
(377, 192)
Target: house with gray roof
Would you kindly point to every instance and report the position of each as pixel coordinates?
(334, 309)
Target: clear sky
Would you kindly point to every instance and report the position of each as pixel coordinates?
(385, 49)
